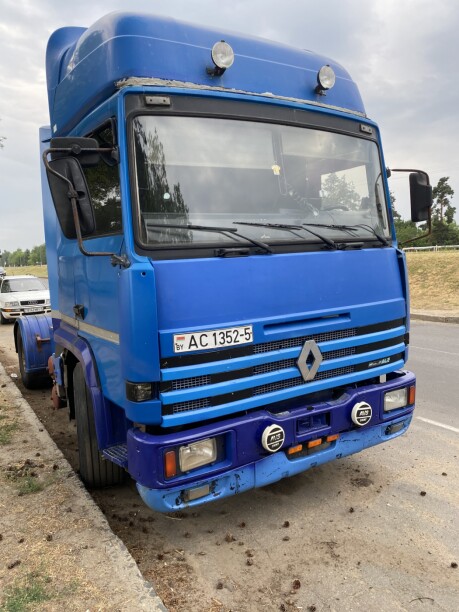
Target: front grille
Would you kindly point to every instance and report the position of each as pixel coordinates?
(32, 302)
(278, 345)
(295, 382)
(235, 374)
(188, 383)
(191, 405)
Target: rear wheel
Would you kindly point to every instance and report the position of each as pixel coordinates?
(95, 471)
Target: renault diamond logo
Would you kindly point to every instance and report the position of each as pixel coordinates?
(309, 353)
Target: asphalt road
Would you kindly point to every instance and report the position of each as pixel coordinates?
(434, 357)
(374, 532)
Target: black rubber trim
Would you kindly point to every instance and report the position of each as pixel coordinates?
(243, 351)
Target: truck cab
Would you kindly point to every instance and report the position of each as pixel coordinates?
(229, 302)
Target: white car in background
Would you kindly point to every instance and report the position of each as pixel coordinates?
(22, 295)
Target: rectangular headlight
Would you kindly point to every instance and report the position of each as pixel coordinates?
(197, 454)
(11, 304)
(395, 399)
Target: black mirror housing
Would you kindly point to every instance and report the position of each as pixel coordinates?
(70, 169)
(76, 147)
(421, 197)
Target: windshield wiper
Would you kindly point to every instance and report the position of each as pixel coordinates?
(330, 243)
(353, 228)
(222, 230)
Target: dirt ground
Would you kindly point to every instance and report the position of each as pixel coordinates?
(56, 549)
(357, 534)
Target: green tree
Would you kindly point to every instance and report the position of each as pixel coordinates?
(17, 258)
(442, 234)
(396, 215)
(442, 209)
(405, 230)
(338, 191)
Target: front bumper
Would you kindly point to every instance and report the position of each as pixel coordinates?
(246, 464)
(13, 314)
(269, 470)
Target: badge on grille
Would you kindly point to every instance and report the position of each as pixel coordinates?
(273, 438)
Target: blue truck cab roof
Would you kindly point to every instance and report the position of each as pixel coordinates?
(85, 66)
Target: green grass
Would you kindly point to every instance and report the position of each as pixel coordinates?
(40, 271)
(434, 279)
(29, 484)
(6, 431)
(26, 594)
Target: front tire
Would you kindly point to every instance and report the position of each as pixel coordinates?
(95, 471)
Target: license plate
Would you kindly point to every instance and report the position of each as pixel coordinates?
(34, 309)
(212, 339)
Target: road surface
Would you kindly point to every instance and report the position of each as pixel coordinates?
(373, 532)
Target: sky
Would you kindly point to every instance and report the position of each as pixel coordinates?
(401, 53)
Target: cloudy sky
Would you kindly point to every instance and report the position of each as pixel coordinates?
(402, 54)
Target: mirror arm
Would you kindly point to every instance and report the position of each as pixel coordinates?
(116, 260)
(429, 231)
(411, 170)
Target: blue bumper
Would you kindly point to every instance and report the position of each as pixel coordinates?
(271, 468)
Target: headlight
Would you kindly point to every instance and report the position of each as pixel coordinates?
(47, 302)
(197, 454)
(395, 399)
(11, 304)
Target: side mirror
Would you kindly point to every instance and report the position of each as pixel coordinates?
(61, 172)
(421, 197)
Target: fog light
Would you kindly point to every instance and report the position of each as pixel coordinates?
(197, 454)
(222, 56)
(398, 398)
(196, 493)
(325, 79)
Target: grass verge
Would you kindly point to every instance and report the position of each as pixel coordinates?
(7, 428)
(40, 271)
(26, 594)
(434, 280)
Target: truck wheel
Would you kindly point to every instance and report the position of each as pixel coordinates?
(3, 320)
(95, 471)
(29, 379)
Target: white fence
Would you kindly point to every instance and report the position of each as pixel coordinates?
(451, 247)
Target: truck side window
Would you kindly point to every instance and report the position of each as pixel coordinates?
(104, 187)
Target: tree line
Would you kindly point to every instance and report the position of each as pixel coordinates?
(29, 257)
(445, 230)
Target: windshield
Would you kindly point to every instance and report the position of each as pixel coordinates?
(22, 284)
(195, 171)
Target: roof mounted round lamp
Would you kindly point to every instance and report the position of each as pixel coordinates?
(222, 56)
(325, 79)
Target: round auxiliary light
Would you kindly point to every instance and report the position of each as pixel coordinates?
(222, 55)
(326, 78)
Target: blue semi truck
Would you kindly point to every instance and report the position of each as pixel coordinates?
(229, 302)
